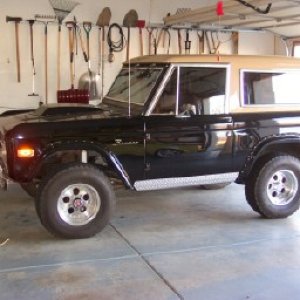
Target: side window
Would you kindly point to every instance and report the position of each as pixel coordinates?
(267, 88)
(202, 90)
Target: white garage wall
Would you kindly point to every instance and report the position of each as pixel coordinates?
(14, 94)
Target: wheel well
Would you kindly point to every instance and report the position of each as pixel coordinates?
(292, 149)
(55, 160)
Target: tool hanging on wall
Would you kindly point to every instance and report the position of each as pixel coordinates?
(150, 32)
(45, 19)
(200, 42)
(155, 39)
(71, 25)
(102, 22)
(87, 26)
(61, 9)
(235, 42)
(72, 95)
(216, 45)
(83, 49)
(118, 45)
(99, 52)
(208, 42)
(89, 79)
(141, 24)
(17, 21)
(187, 42)
(130, 20)
(31, 22)
(162, 39)
(179, 40)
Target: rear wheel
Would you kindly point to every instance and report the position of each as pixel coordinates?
(274, 192)
(77, 202)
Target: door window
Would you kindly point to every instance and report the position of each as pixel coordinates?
(201, 91)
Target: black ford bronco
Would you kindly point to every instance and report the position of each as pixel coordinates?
(167, 121)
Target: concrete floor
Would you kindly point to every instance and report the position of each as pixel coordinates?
(177, 244)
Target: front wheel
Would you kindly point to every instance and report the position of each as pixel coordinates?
(276, 191)
(77, 202)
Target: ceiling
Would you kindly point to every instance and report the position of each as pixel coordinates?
(283, 17)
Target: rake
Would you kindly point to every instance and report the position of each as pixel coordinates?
(61, 9)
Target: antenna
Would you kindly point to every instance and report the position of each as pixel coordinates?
(129, 89)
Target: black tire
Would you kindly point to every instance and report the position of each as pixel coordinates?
(217, 186)
(275, 192)
(249, 191)
(30, 188)
(63, 194)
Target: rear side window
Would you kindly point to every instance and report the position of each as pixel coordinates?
(271, 88)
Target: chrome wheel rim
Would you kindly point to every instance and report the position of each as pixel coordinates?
(78, 204)
(282, 187)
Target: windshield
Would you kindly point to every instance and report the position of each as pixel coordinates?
(142, 80)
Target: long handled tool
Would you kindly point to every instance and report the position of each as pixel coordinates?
(88, 80)
(70, 25)
(150, 33)
(179, 39)
(17, 21)
(72, 95)
(45, 19)
(130, 20)
(200, 42)
(61, 9)
(141, 24)
(87, 26)
(99, 52)
(102, 22)
(235, 42)
(31, 22)
(187, 42)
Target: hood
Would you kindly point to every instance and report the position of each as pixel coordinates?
(53, 113)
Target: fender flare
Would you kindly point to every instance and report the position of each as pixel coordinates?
(109, 156)
(262, 148)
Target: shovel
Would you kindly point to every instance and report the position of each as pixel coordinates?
(130, 20)
(89, 79)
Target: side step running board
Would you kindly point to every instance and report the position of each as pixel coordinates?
(167, 183)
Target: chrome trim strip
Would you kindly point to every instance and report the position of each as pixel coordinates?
(159, 90)
(166, 183)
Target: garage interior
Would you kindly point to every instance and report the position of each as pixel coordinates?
(187, 243)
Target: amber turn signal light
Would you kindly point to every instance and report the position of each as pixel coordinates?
(25, 152)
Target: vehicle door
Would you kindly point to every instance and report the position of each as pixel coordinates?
(187, 132)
